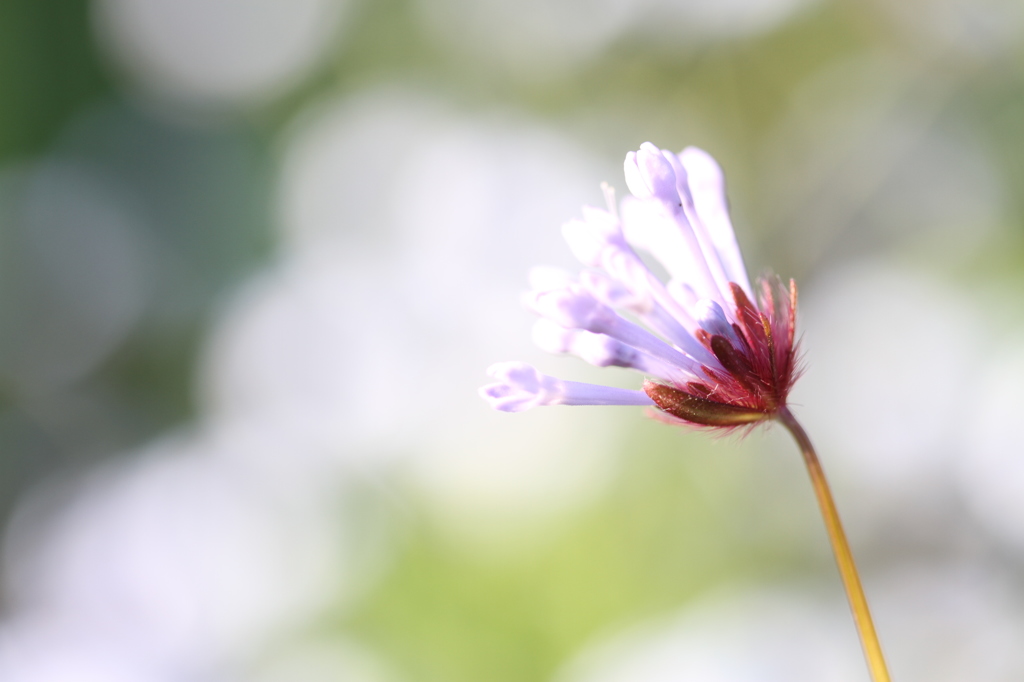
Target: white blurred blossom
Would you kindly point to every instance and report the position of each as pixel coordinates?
(217, 52)
(991, 467)
(938, 624)
(767, 636)
(316, 349)
(533, 38)
(49, 650)
(873, 396)
(407, 229)
(337, 174)
(184, 552)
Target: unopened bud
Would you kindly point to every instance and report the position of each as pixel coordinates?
(649, 174)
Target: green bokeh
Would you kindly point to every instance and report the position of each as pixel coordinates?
(685, 516)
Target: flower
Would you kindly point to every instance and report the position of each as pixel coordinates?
(719, 356)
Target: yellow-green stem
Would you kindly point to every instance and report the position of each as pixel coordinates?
(841, 549)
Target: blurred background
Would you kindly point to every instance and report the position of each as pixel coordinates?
(255, 256)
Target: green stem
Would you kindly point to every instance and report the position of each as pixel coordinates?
(841, 549)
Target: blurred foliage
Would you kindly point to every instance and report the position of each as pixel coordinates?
(202, 206)
(49, 67)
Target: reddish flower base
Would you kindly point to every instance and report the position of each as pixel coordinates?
(759, 365)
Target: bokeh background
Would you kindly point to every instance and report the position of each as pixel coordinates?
(255, 256)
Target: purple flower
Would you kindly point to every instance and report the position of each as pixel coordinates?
(718, 356)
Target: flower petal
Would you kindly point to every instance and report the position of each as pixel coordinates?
(521, 387)
(706, 184)
(649, 174)
(664, 232)
(575, 308)
(601, 350)
(713, 320)
(597, 240)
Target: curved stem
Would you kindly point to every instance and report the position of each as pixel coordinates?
(841, 549)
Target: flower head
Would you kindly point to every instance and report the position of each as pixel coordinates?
(719, 352)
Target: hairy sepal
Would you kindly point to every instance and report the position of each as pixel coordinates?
(701, 411)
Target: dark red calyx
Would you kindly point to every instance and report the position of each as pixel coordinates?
(697, 410)
(732, 360)
(750, 318)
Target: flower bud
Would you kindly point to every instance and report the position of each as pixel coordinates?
(649, 174)
(520, 387)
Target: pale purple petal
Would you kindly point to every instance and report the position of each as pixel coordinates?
(650, 175)
(576, 308)
(521, 387)
(664, 232)
(669, 227)
(713, 319)
(636, 336)
(709, 254)
(677, 167)
(647, 310)
(588, 238)
(552, 337)
(598, 241)
(625, 265)
(615, 294)
(572, 307)
(683, 293)
(634, 178)
(603, 351)
(577, 393)
(707, 188)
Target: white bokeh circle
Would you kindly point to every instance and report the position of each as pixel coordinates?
(408, 231)
(182, 551)
(991, 467)
(889, 353)
(530, 38)
(217, 52)
(36, 649)
(937, 624)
